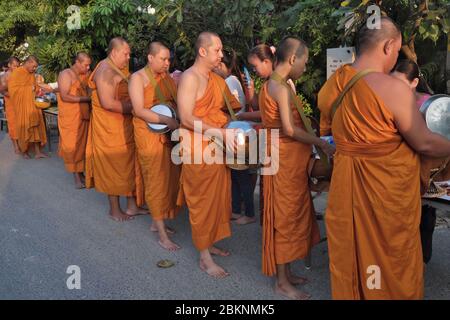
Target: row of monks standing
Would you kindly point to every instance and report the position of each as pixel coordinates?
(103, 138)
(111, 143)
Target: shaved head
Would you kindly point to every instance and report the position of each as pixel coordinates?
(119, 52)
(82, 63)
(205, 40)
(158, 57)
(31, 64)
(155, 47)
(81, 56)
(32, 58)
(11, 60)
(116, 43)
(290, 46)
(367, 39)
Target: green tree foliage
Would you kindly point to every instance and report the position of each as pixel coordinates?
(240, 23)
(18, 20)
(425, 26)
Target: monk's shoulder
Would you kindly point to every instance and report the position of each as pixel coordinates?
(395, 94)
(66, 74)
(386, 86)
(190, 78)
(275, 92)
(189, 74)
(276, 89)
(138, 76)
(13, 76)
(107, 74)
(14, 73)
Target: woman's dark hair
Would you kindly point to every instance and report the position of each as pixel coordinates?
(230, 60)
(411, 70)
(262, 51)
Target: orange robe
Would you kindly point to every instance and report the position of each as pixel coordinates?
(206, 188)
(289, 224)
(111, 162)
(10, 117)
(29, 121)
(73, 124)
(161, 176)
(373, 212)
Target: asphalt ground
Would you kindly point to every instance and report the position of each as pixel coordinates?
(46, 226)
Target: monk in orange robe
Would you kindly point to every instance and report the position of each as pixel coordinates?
(73, 116)
(111, 163)
(29, 121)
(374, 203)
(161, 176)
(13, 64)
(206, 187)
(289, 225)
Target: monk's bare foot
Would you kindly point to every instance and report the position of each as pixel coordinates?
(297, 280)
(169, 245)
(120, 217)
(219, 252)
(169, 230)
(40, 155)
(26, 156)
(16, 151)
(289, 291)
(214, 270)
(136, 212)
(80, 185)
(235, 216)
(245, 220)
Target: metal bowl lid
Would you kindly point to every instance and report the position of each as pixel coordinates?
(437, 115)
(164, 110)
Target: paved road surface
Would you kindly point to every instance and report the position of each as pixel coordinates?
(47, 225)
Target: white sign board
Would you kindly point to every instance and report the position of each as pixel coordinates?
(336, 57)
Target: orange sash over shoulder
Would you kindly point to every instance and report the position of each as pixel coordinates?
(29, 121)
(73, 124)
(373, 212)
(289, 225)
(111, 162)
(161, 176)
(206, 188)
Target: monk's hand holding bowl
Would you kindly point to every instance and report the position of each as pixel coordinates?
(329, 149)
(85, 99)
(171, 123)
